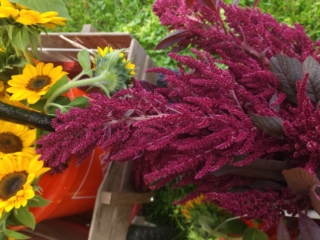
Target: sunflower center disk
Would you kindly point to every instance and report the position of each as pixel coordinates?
(10, 143)
(38, 83)
(11, 184)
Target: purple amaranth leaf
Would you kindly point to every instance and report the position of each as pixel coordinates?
(264, 169)
(299, 180)
(269, 124)
(309, 229)
(288, 71)
(312, 67)
(147, 85)
(261, 184)
(172, 38)
(282, 231)
(314, 194)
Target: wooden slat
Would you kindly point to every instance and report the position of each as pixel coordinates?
(150, 77)
(137, 55)
(90, 40)
(88, 28)
(114, 198)
(112, 221)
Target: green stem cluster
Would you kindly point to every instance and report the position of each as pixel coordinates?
(99, 81)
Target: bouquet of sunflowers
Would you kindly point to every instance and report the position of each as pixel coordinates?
(28, 85)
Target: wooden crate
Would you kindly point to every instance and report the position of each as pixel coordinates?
(113, 206)
(62, 48)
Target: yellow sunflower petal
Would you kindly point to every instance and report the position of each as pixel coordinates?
(3, 203)
(30, 71)
(24, 202)
(39, 68)
(42, 171)
(17, 203)
(29, 137)
(6, 3)
(9, 206)
(30, 178)
(32, 99)
(31, 151)
(29, 193)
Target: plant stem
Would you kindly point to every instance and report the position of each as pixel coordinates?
(228, 220)
(74, 84)
(28, 56)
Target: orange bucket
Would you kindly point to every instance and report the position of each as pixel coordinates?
(74, 190)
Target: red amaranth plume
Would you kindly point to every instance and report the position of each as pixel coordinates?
(228, 131)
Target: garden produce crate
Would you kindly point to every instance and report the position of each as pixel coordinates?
(113, 210)
(62, 48)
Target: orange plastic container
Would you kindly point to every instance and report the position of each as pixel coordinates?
(74, 190)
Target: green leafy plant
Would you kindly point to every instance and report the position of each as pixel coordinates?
(135, 17)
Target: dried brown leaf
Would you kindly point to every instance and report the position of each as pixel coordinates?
(299, 180)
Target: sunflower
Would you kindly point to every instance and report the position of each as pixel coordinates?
(191, 204)
(8, 10)
(16, 138)
(47, 19)
(50, 20)
(34, 82)
(128, 65)
(103, 52)
(5, 97)
(6, 3)
(26, 16)
(17, 173)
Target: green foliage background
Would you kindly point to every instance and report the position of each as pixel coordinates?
(136, 17)
(133, 16)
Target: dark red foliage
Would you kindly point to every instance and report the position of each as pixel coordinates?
(201, 121)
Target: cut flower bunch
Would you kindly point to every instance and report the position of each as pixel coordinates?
(32, 88)
(240, 120)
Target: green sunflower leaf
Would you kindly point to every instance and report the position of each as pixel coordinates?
(254, 234)
(4, 217)
(60, 103)
(20, 38)
(25, 217)
(79, 102)
(38, 105)
(58, 84)
(15, 235)
(38, 201)
(84, 61)
(45, 6)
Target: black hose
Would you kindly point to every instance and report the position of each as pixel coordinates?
(136, 232)
(25, 117)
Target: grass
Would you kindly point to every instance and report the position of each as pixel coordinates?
(133, 16)
(137, 18)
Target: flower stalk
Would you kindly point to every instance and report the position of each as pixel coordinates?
(99, 80)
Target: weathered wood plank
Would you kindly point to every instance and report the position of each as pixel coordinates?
(114, 198)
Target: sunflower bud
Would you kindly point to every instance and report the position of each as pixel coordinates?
(117, 69)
